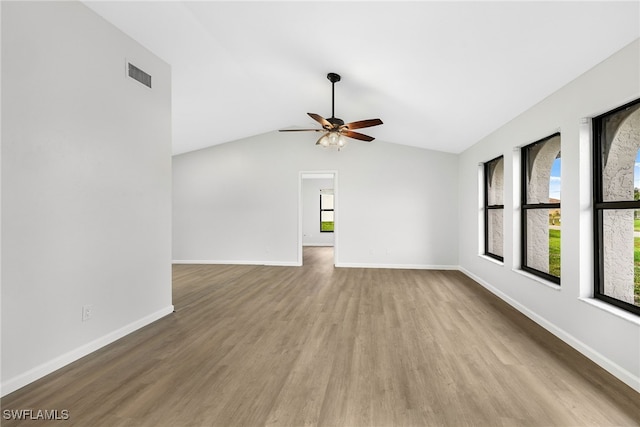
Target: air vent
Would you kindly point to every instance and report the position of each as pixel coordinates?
(139, 75)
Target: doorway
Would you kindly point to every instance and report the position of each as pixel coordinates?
(318, 212)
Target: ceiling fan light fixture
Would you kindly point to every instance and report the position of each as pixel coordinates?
(333, 140)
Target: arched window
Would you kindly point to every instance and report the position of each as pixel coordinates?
(494, 208)
(541, 214)
(617, 207)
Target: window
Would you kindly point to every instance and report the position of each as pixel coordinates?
(540, 211)
(616, 207)
(494, 208)
(326, 211)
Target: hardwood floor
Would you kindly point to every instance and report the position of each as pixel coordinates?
(317, 345)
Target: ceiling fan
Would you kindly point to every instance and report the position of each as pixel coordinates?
(336, 129)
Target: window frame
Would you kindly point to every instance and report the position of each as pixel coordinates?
(488, 207)
(600, 205)
(326, 210)
(526, 207)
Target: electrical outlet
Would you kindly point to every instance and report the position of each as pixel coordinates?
(87, 312)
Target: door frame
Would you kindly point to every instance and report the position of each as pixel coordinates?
(319, 174)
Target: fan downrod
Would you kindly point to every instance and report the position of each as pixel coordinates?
(333, 78)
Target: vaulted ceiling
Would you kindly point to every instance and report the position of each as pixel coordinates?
(440, 74)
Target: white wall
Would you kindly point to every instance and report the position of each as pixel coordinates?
(86, 187)
(609, 336)
(311, 235)
(238, 202)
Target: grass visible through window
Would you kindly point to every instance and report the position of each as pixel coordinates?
(554, 252)
(554, 258)
(636, 263)
(326, 226)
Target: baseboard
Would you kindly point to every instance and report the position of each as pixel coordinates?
(282, 263)
(46, 368)
(236, 262)
(215, 262)
(317, 244)
(602, 361)
(297, 264)
(397, 266)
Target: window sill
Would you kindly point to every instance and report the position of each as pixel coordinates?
(538, 279)
(611, 309)
(493, 260)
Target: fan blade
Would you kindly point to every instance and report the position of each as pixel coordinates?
(356, 135)
(318, 118)
(301, 130)
(363, 124)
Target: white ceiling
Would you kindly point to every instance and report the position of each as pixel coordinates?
(441, 75)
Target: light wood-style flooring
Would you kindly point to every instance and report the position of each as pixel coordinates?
(318, 345)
